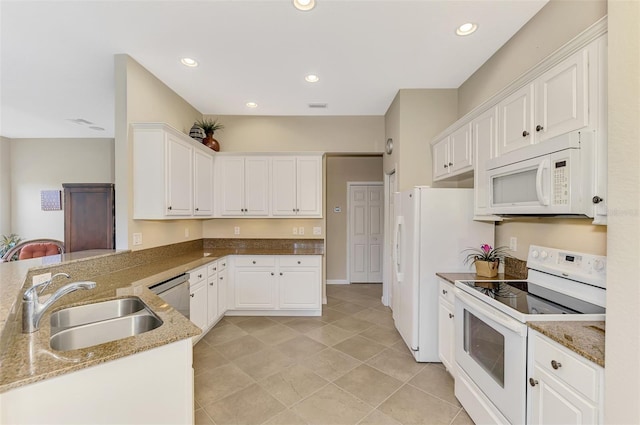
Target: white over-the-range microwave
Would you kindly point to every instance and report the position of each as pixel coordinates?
(554, 177)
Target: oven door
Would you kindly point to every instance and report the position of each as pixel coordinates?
(491, 348)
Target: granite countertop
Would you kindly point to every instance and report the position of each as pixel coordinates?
(28, 358)
(584, 338)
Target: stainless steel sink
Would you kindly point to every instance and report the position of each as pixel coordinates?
(98, 323)
(89, 313)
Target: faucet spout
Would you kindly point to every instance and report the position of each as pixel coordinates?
(33, 309)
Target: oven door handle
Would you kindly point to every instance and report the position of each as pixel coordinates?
(491, 313)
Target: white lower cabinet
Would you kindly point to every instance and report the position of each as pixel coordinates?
(207, 291)
(121, 391)
(563, 387)
(446, 326)
(275, 285)
(198, 305)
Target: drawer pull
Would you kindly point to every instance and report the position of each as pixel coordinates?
(221, 277)
(450, 316)
(280, 273)
(533, 382)
(200, 276)
(211, 284)
(272, 273)
(253, 262)
(444, 292)
(556, 365)
(525, 133)
(192, 295)
(299, 262)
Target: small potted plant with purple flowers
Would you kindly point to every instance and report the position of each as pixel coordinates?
(486, 259)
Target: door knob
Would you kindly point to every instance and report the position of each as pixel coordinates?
(556, 365)
(525, 133)
(596, 199)
(539, 127)
(192, 295)
(450, 316)
(533, 382)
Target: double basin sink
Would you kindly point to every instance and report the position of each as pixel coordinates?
(92, 324)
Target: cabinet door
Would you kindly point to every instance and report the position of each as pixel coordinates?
(254, 288)
(309, 190)
(231, 185)
(198, 305)
(256, 186)
(460, 150)
(299, 287)
(212, 299)
(283, 193)
(179, 175)
(203, 184)
(441, 158)
(554, 403)
(515, 118)
(484, 131)
(445, 334)
(222, 292)
(562, 97)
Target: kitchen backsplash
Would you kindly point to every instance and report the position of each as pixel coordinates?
(516, 268)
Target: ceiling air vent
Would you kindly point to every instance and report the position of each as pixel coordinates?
(318, 105)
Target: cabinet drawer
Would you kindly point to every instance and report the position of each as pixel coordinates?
(212, 268)
(222, 263)
(300, 260)
(255, 260)
(569, 368)
(446, 291)
(197, 275)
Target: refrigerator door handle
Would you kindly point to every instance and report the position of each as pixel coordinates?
(397, 240)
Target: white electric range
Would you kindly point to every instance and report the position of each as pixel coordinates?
(491, 331)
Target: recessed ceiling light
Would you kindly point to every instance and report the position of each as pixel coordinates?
(251, 104)
(312, 78)
(304, 4)
(192, 63)
(466, 29)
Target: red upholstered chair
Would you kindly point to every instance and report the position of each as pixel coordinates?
(34, 248)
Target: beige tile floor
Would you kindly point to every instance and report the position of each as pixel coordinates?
(349, 366)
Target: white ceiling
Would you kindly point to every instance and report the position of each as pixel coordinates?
(57, 57)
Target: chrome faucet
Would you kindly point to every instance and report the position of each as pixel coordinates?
(33, 309)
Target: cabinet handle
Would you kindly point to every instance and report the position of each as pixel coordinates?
(211, 284)
(197, 209)
(525, 133)
(280, 273)
(224, 264)
(200, 276)
(451, 164)
(596, 199)
(214, 269)
(293, 209)
(450, 316)
(444, 292)
(556, 365)
(539, 127)
(272, 273)
(297, 209)
(253, 262)
(533, 382)
(446, 166)
(192, 295)
(169, 207)
(299, 262)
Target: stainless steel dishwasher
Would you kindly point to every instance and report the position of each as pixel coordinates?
(175, 292)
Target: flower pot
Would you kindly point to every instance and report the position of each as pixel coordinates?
(487, 268)
(210, 142)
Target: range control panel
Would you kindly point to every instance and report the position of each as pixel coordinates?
(588, 268)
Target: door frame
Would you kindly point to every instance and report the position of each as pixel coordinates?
(349, 186)
(387, 264)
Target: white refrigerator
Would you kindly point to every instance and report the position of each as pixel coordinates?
(432, 228)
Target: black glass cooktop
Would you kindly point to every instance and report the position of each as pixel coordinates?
(527, 297)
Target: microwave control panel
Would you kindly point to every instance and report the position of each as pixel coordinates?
(560, 182)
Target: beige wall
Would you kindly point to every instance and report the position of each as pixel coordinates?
(622, 372)
(291, 133)
(5, 186)
(556, 23)
(413, 119)
(44, 164)
(341, 170)
(141, 97)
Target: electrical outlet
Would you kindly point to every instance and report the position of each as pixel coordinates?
(513, 243)
(186, 232)
(301, 230)
(317, 230)
(137, 238)
(39, 278)
(295, 230)
(236, 230)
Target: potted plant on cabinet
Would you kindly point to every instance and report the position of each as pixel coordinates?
(486, 259)
(210, 127)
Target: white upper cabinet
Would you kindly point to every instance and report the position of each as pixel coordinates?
(453, 155)
(485, 135)
(169, 170)
(297, 186)
(562, 98)
(515, 118)
(243, 185)
(203, 184)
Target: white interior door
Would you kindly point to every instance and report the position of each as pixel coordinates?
(366, 221)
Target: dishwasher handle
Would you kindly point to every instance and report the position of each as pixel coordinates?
(161, 287)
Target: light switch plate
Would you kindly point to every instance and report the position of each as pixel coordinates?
(301, 230)
(295, 230)
(317, 230)
(236, 230)
(137, 238)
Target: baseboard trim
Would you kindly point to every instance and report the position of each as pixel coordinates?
(337, 282)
